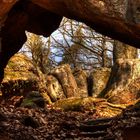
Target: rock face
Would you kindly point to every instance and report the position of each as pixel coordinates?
(81, 80)
(54, 88)
(65, 77)
(19, 67)
(20, 79)
(121, 20)
(12, 34)
(98, 105)
(100, 78)
(19, 76)
(33, 99)
(125, 86)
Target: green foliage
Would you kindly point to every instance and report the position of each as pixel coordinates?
(28, 103)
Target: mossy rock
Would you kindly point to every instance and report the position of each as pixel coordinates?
(98, 106)
(33, 94)
(19, 67)
(33, 100)
(135, 106)
(29, 103)
(77, 104)
(18, 87)
(40, 102)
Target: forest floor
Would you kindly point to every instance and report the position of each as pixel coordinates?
(55, 124)
(67, 119)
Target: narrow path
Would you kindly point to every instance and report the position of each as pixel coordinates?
(96, 129)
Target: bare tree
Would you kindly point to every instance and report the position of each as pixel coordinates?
(83, 47)
(38, 49)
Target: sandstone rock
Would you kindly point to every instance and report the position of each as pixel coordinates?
(19, 67)
(19, 76)
(65, 77)
(100, 78)
(33, 100)
(97, 105)
(126, 83)
(54, 88)
(81, 80)
(121, 19)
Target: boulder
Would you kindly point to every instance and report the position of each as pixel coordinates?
(65, 77)
(19, 76)
(100, 78)
(16, 16)
(125, 85)
(33, 99)
(98, 106)
(81, 80)
(54, 88)
(22, 77)
(19, 67)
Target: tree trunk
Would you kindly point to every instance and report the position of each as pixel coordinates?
(123, 84)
